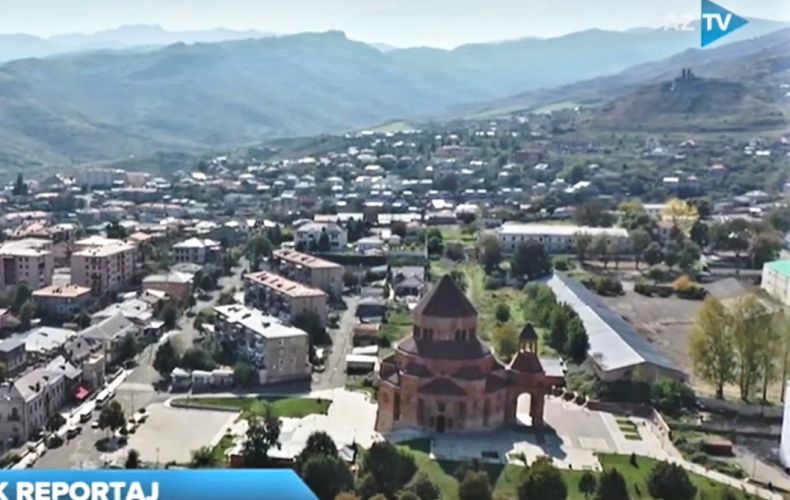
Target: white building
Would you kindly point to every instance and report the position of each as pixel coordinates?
(277, 351)
(776, 280)
(308, 236)
(556, 238)
(197, 250)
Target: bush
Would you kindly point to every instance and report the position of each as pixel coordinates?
(657, 273)
(494, 283)
(643, 288)
(671, 396)
(563, 263)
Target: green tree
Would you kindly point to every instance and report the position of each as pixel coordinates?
(578, 342)
(169, 316)
(244, 375)
(542, 481)
(197, 358)
(20, 188)
(203, 458)
(653, 254)
(128, 348)
(55, 422)
(116, 231)
(424, 488)
(166, 359)
(689, 256)
(558, 326)
(324, 245)
(764, 247)
(711, 345)
(671, 253)
(530, 260)
(263, 434)
(111, 416)
(505, 339)
(587, 484)
(749, 323)
(83, 320)
(583, 245)
(699, 234)
(26, 313)
(670, 482)
(671, 396)
(475, 486)
(490, 253)
(318, 443)
(502, 313)
(459, 278)
(257, 248)
(310, 323)
(390, 468)
(132, 460)
(327, 476)
(22, 295)
(611, 486)
(435, 246)
(600, 249)
(640, 240)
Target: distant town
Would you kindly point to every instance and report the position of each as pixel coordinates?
(491, 308)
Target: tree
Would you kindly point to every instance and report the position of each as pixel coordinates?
(257, 247)
(578, 342)
(128, 348)
(203, 458)
(599, 248)
(425, 489)
(20, 188)
(166, 359)
(502, 313)
(613, 252)
(670, 482)
(318, 443)
(132, 460)
(583, 244)
(611, 486)
(244, 375)
(262, 435)
(310, 323)
(587, 484)
(689, 256)
(197, 358)
(327, 476)
(26, 313)
(682, 214)
(764, 247)
(671, 253)
(55, 422)
(390, 468)
(474, 486)
(169, 316)
(459, 278)
(435, 246)
(711, 345)
(490, 253)
(22, 295)
(542, 481)
(671, 396)
(749, 323)
(652, 254)
(455, 251)
(324, 244)
(116, 231)
(530, 260)
(83, 320)
(505, 339)
(111, 416)
(699, 234)
(558, 326)
(640, 240)
(593, 214)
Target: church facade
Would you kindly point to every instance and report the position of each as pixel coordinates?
(444, 378)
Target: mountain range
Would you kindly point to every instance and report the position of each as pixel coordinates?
(110, 104)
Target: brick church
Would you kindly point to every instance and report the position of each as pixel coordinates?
(444, 378)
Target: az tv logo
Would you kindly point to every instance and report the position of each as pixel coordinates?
(717, 22)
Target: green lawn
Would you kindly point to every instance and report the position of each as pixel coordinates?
(507, 478)
(218, 452)
(455, 234)
(398, 325)
(285, 407)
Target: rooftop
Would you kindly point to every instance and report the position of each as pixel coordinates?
(445, 300)
(283, 285)
(780, 266)
(560, 230)
(68, 291)
(29, 247)
(304, 259)
(255, 320)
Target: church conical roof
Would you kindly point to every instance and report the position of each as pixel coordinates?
(528, 333)
(445, 300)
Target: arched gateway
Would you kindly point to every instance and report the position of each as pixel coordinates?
(444, 378)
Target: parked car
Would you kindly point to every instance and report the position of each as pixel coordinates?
(73, 432)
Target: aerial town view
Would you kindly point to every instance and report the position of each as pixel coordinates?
(508, 257)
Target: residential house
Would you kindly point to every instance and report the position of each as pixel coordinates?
(197, 251)
(175, 284)
(111, 333)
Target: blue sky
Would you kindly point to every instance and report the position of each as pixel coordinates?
(440, 23)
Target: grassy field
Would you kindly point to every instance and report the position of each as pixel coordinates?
(455, 234)
(506, 478)
(285, 407)
(398, 325)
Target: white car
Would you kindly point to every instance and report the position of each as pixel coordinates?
(95, 424)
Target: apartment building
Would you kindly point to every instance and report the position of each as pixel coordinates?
(62, 301)
(28, 260)
(304, 268)
(308, 236)
(176, 284)
(776, 280)
(197, 251)
(27, 403)
(13, 356)
(556, 238)
(103, 264)
(278, 352)
(282, 297)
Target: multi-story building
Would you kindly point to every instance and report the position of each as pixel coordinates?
(776, 280)
(29, 260)
(62, 301)
(110, 333)
(282, 297)
(12, 356)
(197, 251)
(556, 238)
(308, 236)
(176, 284)
(304, 268)
(278, 352)
(27, 403)
(103, 264)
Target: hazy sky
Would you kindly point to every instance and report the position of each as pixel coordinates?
(441, 23)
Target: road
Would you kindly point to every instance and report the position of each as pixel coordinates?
(334, 374)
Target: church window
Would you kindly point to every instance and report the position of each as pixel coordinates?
(440, 406)
(396, 407)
